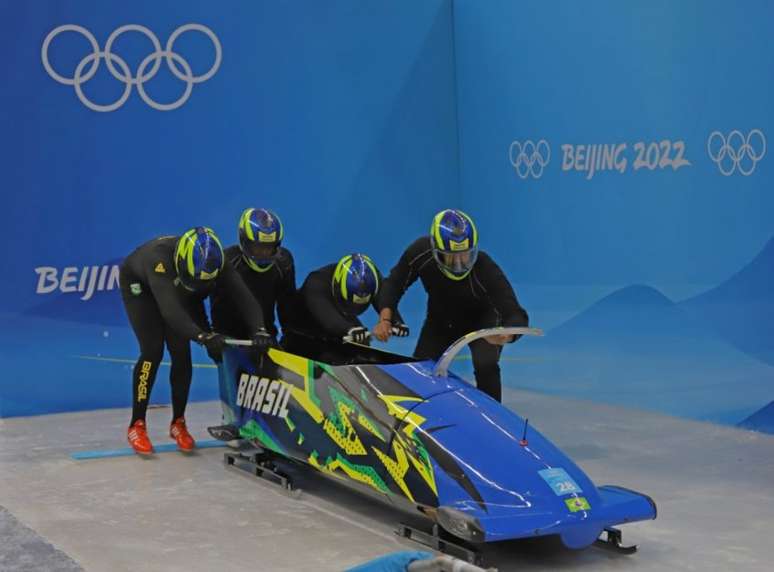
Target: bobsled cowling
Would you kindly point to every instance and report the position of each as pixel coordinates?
(516, 484)
(410, 431)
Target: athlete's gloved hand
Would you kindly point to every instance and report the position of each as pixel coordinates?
(214, 344)
(400, 330)
(263, 340)
(358, 334)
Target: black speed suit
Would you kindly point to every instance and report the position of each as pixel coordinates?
(161, 311)
(273, 287)
(483, 299)
(319, 324)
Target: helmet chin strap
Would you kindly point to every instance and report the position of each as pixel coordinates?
(254, 266)
(446, 272)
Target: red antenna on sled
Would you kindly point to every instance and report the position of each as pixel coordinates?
(523, 441)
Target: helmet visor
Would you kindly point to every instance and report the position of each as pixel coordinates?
(198, 286)
(352, 308)
(262, 254)
(458, 263)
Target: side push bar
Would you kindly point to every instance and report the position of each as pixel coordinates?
(348, 339)
(233, 342)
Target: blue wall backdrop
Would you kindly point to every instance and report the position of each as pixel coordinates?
(339, 115)
(624, 145)
(614, 156)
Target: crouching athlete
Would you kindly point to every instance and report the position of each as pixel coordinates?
(163, 286)
(329, 305)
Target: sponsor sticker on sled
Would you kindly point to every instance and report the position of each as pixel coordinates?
(559, 481)
(577, 504)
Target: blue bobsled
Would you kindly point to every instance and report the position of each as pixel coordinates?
(420, 437)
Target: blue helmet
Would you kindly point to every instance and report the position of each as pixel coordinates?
(355, 283)
(198, 259)
(260, 235)
(454, 240)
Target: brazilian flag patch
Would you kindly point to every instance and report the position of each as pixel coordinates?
(576, 504)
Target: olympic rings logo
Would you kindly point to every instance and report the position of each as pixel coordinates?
(736, 152)
(529, 158)
(179, 67)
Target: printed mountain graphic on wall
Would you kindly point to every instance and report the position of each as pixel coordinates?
(638, 317)
(637, 348)
(741, 309)
(762, 420)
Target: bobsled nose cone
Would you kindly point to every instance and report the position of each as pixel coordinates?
(581, 536)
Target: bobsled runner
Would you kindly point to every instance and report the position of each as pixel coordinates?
(414, 434)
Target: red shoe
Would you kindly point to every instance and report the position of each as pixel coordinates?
(180, 434)
(137, 435)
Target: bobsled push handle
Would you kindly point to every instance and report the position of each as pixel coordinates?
(349, 339)
(233, 342)
(395, 331)
(442, 367)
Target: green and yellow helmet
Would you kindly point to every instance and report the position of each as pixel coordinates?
(454, 241)
(260, 235)
(355, 283)
(198, 259)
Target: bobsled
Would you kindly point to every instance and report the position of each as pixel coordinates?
(416, 435)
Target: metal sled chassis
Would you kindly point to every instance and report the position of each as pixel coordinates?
(262, 465)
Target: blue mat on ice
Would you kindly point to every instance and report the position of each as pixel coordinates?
(165, 448)
(397, 562)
